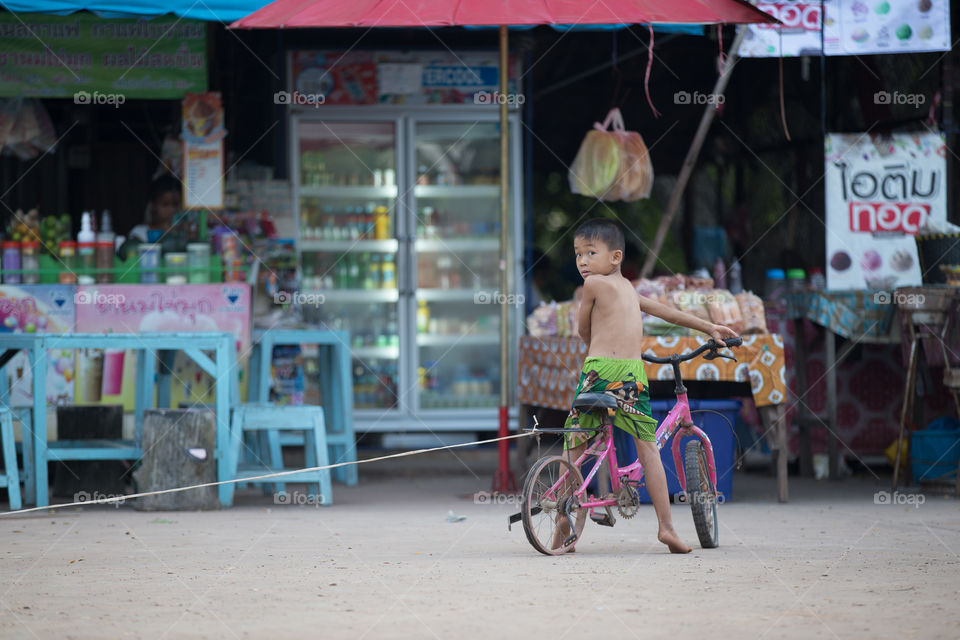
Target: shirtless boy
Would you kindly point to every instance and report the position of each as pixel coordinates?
(612, 327)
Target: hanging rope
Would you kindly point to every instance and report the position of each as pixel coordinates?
(783, 109)
(646, 78)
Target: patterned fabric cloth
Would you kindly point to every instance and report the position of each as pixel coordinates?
(551, 367)
(625, 380)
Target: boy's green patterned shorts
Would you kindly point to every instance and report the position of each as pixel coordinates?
(625, 380)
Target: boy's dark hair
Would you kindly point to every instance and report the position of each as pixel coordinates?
(164, 183)
(607, 231)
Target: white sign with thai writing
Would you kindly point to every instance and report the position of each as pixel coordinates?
(880, 191)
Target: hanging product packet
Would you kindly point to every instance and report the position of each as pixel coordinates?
(612, 163)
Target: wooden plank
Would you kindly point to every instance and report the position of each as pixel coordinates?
(803, 411)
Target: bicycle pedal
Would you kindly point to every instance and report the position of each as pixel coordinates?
(604, 519)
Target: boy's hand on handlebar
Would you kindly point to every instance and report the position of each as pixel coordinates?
(718, 332)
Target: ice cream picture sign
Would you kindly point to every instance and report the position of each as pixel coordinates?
(880, 192)
(850, 27)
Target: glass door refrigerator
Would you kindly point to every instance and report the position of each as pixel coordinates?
(399, 230)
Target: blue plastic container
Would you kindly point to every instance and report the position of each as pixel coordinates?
(716, 428)
(934, 455)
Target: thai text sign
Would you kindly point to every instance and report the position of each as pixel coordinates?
(80, 55)
(880, 192)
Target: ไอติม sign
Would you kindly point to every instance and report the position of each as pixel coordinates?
(101, 61)
(880, 191)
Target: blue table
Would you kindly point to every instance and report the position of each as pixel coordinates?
(336, 386)
(147, 345)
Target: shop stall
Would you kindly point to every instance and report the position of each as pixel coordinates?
(551, 358)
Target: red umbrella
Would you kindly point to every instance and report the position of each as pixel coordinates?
(448, 13)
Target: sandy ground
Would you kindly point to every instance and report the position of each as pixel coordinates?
(385, 563)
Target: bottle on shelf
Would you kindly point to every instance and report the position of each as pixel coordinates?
(381, 221)
(374, 272)
(30, 261)
(68, 259)
(423, 317)
(388, 273)
(736, 277)
(817, 280)
(719, 274)
(86, 249)
(354, 280)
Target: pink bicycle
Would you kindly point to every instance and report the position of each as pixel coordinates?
(555, 502)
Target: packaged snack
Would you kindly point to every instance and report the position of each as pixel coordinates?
(692, 302)
(724, 309)
(754, 319)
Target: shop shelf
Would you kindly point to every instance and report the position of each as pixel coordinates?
(352, 246)
(456, 245)
(349, 192)
(446, 295)
(123, 272)
(457, 191)
(358, 295)
(460, 340)
(377, 353)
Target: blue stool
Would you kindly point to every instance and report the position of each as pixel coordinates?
(268, 421)
(11, 477)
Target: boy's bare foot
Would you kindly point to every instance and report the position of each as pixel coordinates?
(670, 538)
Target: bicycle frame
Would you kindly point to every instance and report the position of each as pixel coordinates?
(677, 419)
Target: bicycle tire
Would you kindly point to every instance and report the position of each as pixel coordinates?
(701, 494)
(540, 524)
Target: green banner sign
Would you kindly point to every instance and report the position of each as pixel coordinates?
(99, 61)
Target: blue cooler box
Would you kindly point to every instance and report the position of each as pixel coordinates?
(934, 455)
(716, 428)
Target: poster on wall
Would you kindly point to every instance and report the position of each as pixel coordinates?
(395, 77)
(202, 134)
(38, 308)
(853, 27)
(106, 376)
(880, 191)
(101, 61)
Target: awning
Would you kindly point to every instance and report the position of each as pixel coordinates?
(445, 13)
(209, 10)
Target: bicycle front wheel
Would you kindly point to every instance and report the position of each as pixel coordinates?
(549, 504)
(701, 494)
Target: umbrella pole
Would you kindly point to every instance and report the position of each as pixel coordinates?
(503, 480)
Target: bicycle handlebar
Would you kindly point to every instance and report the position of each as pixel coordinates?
(711, 345)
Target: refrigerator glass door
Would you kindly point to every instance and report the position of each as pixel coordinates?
(347, 192)
(457, 249)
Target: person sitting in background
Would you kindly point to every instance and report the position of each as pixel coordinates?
(165, 203)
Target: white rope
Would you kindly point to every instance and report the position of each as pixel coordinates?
(110, 500)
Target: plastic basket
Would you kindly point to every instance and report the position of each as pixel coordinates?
(935, 250)
(934, 455)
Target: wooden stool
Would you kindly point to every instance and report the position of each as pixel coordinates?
(271, 420)
(11, 476)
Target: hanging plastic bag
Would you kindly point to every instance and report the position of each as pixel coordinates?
(595, 168)
(612, 163)
(635, 178)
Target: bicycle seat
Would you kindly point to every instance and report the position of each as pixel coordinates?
(595, 401)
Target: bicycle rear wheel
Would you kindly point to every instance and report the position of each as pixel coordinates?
(548, 495)
(701, 494)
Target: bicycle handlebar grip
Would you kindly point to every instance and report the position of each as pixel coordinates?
(733, 342)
